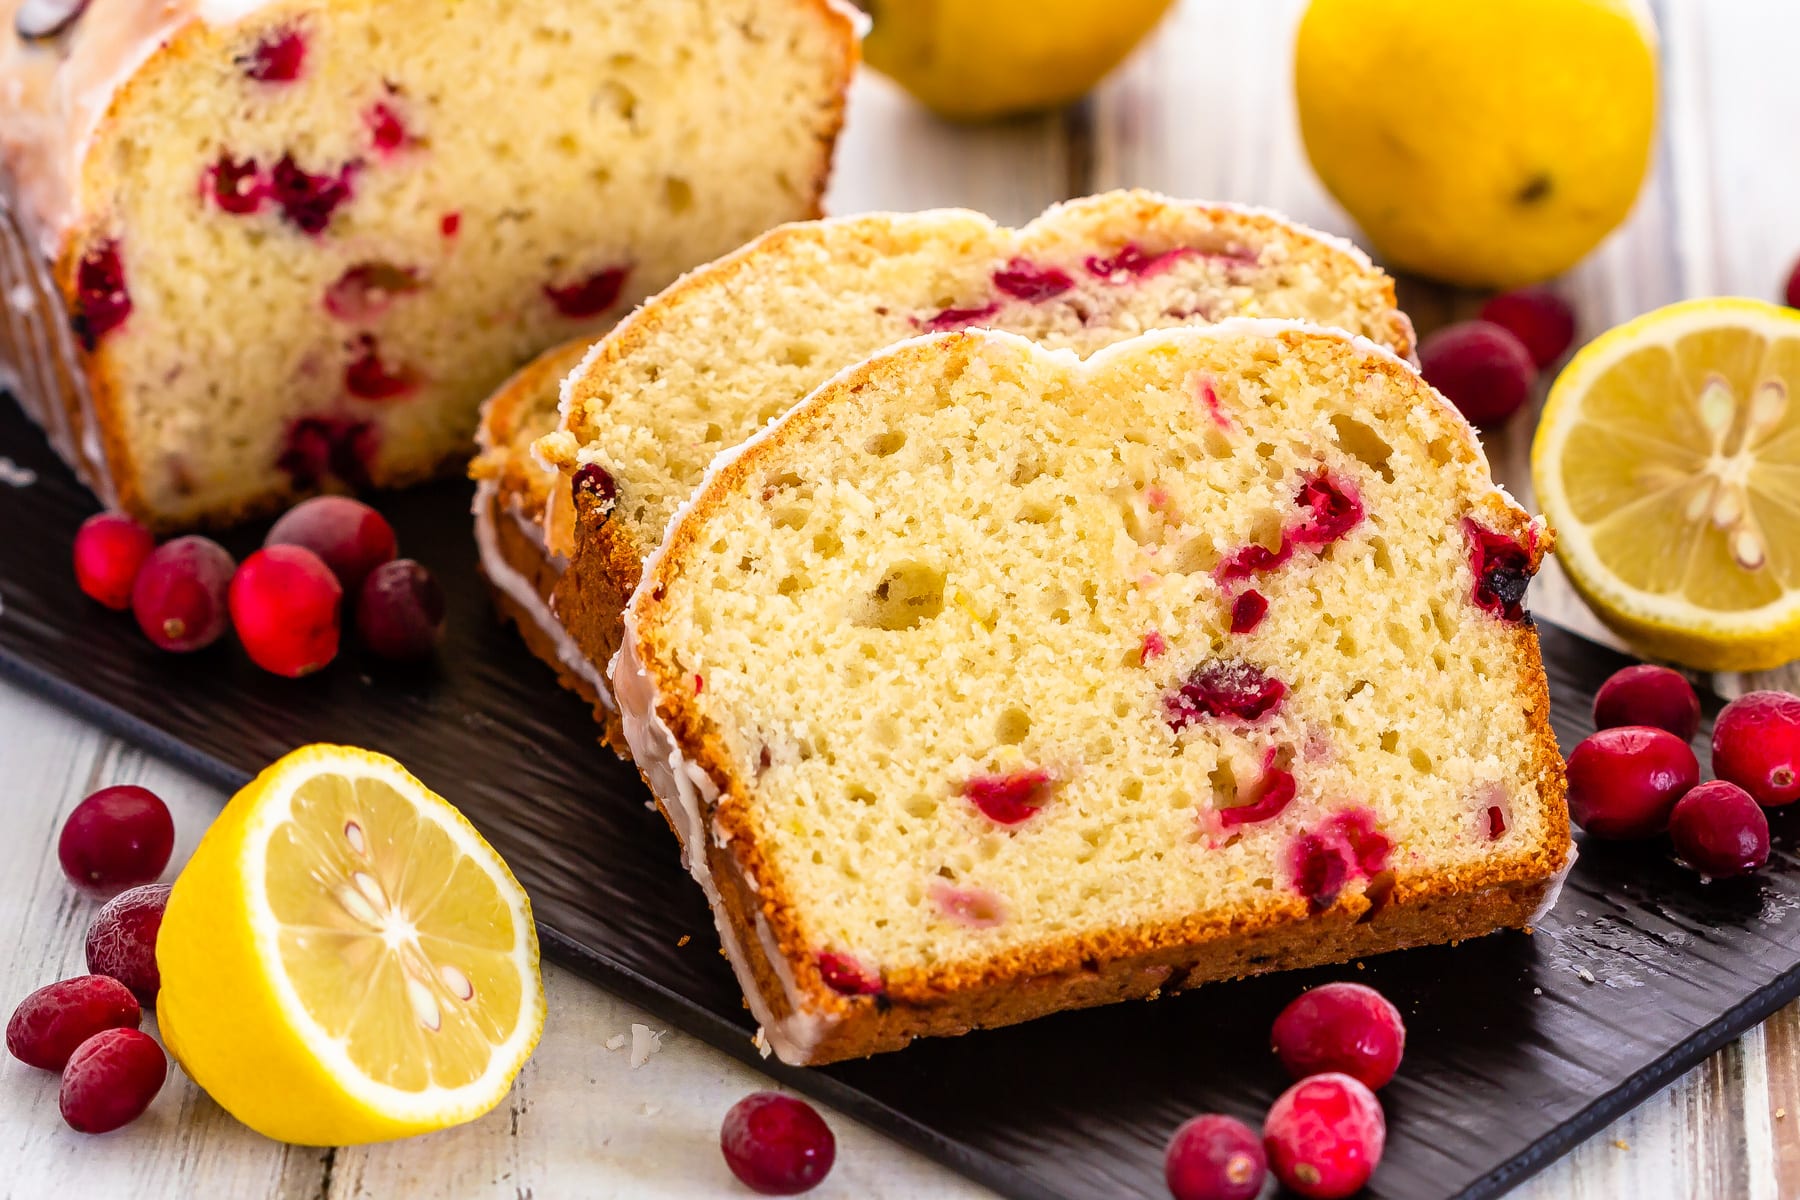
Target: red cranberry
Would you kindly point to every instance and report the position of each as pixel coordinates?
(1248, 611)
(596, 481)
(1264, 800)
(1154, 647)
(1254, 560)
(121, 943)
(1223, 688)
(400, 611)
(111, 1079)
(1132, 263)
(1331, 509)
(1342, 1027)
(1756, 745)
(1215, 1157)
(589, 297)
(1368, 847)
(777, 1145)
(1483, 369)
(1649, 695)
(1496, 822)
(321, 448)
(349, 536)
(41, 20)
(284, 603)
(278, 58)
(1793, 287)
(1720, 831)
(1324, 1136)
(308, 201)
(1024, 280)
(179, 596)
(1320, 869)
(1541, 320)
(117, 838)
(848, 977)
(237, 187)
(368, 378)
(53, 1021)
(959, 318)
(365, 291)
(386, 128)
(450, 225)
(1502, 572)
(110, 549)
(1623, 782)
(102, 301)
(1009, 799)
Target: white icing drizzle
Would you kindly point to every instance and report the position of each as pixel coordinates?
(1553, 892)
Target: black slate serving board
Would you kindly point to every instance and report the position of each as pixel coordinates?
(1519, 1047)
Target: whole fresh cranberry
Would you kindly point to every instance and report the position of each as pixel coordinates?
(50, 1023)
(1720, 831)
(1649, 695)
(121, 943)
(1483, 369)
(117, 838)
(1756, 745)
(1215, 1157)
(1624, 782)
(348, 536)
(1538, 317)
(284, 603)
(179, 595)
(1342, 1027)
(110, 549)
(777, 1145)
(1324, 1136)
(111, 1079)
(400, 612)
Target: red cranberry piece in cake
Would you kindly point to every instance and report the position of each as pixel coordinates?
(1541, 320)
(1648, 695)
(1342, 1027)
(1154, 647)
(1502, 572)
(386, 129)
(110, 549)
(278, 58)
(1248, 611)
(308, 201)
(1025, 280)
(1319, 870)
(111, 1079)
(588, 298)
(121, 943)
(1329, 509)
(365, 291)
(1209, 399)
(237, 187)
(1215, 1157)
(1265, 799)
(41, 20)
(1624, 782)
(1368, 846)
(1720, 831)
(450, 225)
(1253, 560)
(1132, 263)
(777, 1145)
(976, 908)
(1496, 822)
(368, 378)
(117, 838)
(959, 318)
(1481, 368)
(1756, 745)
(1325, 1136)
(102, 301)
(321, 448)
(1010, 799)
(179, 597)
(400, 612)
(284, 604)
(53, 1021)
(1223, 689)
(846, 976)
(596, 483)
(349, 536)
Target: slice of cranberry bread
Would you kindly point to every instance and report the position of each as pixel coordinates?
(989, 682)
(739, 342)
(253, 249)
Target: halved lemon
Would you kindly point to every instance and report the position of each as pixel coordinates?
(345, 960)
(1668, 462)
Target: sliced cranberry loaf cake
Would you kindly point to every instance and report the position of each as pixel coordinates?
(989, 682)
(705, 364)
(252, 248)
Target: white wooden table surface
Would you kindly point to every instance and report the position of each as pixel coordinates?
(1204, 111)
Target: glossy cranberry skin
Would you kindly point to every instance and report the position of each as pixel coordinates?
(1624, 782)
(1720, 831)
(1483, 369)
(53, 1021)
(1756, 745)
(111, 1079)
(777, 1145)
(121, 943)
(1215, 1157)
(117, 838)
(1342, 1027)
(110, 549)
(348, 536)
(400, 612)
(284, 603)
(1324, 1136)
(179, 597)
(589, 297)
(1649, 695)
(1793, 287)
(1541, 320)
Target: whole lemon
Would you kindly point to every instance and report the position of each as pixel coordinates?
(972, 61)
(1489, 143)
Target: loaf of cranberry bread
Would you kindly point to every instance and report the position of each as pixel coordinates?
(737, 343)
(989, 682)
(252, 248)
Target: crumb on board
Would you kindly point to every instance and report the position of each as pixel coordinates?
(1781, 1114)
(685, 939)
(1621, 1143)
(645, 1041)
(1586, 975)
(1537, 991)
(615, 1042)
